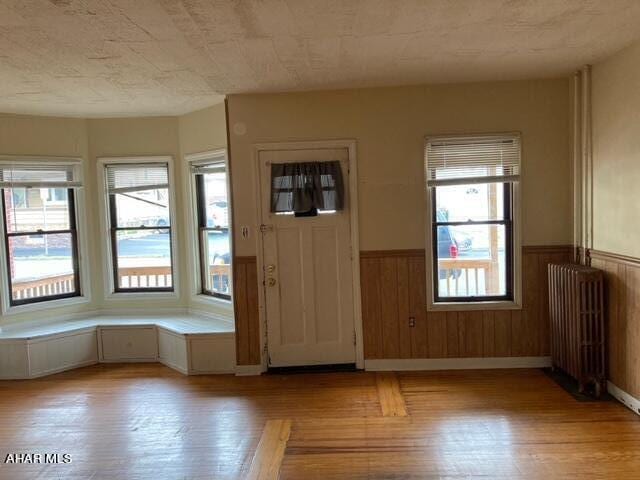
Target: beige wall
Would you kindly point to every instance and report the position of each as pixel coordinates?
(389, 125)
(203, 130)
(616, 153)
(27, 135)
(95, 138)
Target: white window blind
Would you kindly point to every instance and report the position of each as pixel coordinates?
(459, 160)
(40, 174)
(123, 178)
(212, 166)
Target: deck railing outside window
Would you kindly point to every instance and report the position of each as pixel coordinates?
(130, 277)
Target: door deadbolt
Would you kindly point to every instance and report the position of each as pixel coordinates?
(270, 268)
(271, 281)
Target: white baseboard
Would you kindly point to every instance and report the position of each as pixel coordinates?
(130, 360)
(215, 372)
(456, 363)
(248, 370)
(623, 397)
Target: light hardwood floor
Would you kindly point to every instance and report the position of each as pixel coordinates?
(147, 421)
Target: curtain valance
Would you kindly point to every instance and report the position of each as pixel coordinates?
(306, 187)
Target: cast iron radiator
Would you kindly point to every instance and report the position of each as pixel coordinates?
(578, 334)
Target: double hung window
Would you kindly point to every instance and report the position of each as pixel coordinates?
(140, 226)
(39, 227)
(471, 183)
(214, 242)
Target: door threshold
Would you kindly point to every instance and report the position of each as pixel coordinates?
(332, 368)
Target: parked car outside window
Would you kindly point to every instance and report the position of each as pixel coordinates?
(447, 246)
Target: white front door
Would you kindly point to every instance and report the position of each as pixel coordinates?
(307, 273)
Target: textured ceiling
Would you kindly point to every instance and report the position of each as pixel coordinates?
(154, 57)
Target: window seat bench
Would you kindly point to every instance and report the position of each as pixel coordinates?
(191, 344)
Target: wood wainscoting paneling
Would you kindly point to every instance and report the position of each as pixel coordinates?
(622, 288)
(394, 291)
(245, 295)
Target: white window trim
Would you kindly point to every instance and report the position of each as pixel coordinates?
(105, 227)
(516, 303)
(219, 305)
(82, 238)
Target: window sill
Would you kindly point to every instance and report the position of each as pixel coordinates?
(210, 300)
(212, 305)
(46, 305)
(126, 296)
(473, 306)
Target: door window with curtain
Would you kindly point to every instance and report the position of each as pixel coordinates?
(471, 188)
(39, 226)
(306, 189)
(214, 241)
(140, 226)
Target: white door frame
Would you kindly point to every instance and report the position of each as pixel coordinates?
(350, 146)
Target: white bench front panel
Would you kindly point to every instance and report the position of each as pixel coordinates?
(212, 354)
(172, 350)
(128, 344)
(51, 355)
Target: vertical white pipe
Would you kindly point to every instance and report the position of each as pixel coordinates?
(577, 164)
(587, 164)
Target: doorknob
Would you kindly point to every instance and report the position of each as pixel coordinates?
(271, 281)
